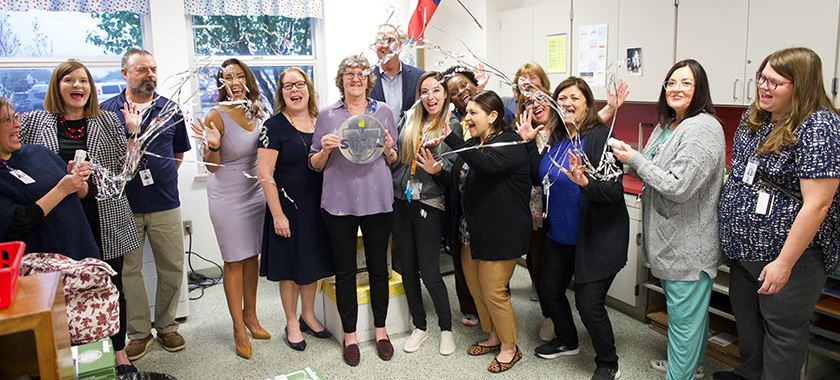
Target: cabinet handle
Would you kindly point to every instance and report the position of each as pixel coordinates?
(735, 89)
(639, 239)
(749, 92)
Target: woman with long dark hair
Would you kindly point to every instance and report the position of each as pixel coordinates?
(682, 169)
(235, 204)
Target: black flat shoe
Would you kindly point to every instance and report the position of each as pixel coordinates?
(318, 334)
(297, 346)
(124, 369)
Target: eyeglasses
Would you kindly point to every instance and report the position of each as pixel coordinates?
(672, 85)
(15, 116)
(299, 85)
(360, 75)
(772, 84)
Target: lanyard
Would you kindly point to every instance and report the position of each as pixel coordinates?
(419, 146)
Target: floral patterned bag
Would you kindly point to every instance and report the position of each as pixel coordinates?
(91, 297)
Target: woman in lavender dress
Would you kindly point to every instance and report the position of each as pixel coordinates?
(236, 203)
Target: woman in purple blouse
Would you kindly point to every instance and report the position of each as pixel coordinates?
(357, 195)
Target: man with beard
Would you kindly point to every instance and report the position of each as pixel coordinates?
(396, 82)
(153, 196)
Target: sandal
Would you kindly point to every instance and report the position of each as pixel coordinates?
(478, 350)
(498, 367)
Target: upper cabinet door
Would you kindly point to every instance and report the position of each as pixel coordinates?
(513, 46)
(552, 18)
(714, 32)
(591, 12)
(649, 25)
(779, 24)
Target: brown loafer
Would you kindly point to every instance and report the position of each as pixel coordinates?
(384, 349)
(351, 355)
(478, 350)
(497, 367)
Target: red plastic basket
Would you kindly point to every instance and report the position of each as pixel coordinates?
(10, 255)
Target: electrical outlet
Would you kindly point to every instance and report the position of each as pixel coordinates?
(188, 227)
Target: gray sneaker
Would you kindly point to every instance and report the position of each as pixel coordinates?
(136, 348)
(172, 341)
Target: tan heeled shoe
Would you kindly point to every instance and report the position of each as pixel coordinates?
(258, 334)
(243, 351)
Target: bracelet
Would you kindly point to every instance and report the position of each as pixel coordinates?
(216, 149)
(132, 135)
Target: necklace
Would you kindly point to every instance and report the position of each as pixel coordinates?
(70, 132)
(300, 135)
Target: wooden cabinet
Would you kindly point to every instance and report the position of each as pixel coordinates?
(824, 348)
(731, 38)
(34, 337)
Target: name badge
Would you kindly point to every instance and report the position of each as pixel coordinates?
(146, 177)
(21, 176)
(764, 203)
(413, 189)
(749, 172)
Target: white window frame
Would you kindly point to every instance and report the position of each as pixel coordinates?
(318, 73)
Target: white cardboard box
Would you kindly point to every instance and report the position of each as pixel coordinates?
(326, 310)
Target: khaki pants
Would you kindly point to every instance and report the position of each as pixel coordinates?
(164, 231)
(488, 282)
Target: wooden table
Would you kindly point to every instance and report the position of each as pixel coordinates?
(34, 337)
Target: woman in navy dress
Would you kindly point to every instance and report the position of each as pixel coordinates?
(296, 250)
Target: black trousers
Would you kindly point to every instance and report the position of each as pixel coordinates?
(342, 231)
(773, 329)
(417, 229)
(462, 291)
(119, 339)
(557, 269)
(533, 261)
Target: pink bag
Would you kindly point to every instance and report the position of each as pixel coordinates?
(92, 299)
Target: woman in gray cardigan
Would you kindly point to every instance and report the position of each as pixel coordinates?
(682, 168)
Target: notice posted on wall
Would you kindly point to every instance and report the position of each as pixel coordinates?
(556, 52)
(592, 54)
(634, 61)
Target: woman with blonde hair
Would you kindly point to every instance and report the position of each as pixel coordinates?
(419, 210)
(296, 251)
(779, 214)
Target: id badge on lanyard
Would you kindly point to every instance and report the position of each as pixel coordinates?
(749, 172)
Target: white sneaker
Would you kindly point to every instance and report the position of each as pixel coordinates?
(661, 365)
(415, 340)
(447, 343)
(547, 330)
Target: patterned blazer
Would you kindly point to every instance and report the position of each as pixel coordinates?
(106, 142)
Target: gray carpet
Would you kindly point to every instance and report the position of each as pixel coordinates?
(210, 352)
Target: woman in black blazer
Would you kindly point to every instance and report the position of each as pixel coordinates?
(491, 187)
(587, 226)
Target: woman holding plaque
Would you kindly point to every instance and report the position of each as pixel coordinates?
(353, 146)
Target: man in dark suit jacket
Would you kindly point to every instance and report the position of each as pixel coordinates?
(396, 82)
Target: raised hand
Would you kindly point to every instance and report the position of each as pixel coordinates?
(427, 162)
(576, 171)
(481, 76)
(525, 128)
(389, 142)
(132, 116)
(616, 99)
(214, 137)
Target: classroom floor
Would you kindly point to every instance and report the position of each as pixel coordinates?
(210, 352)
